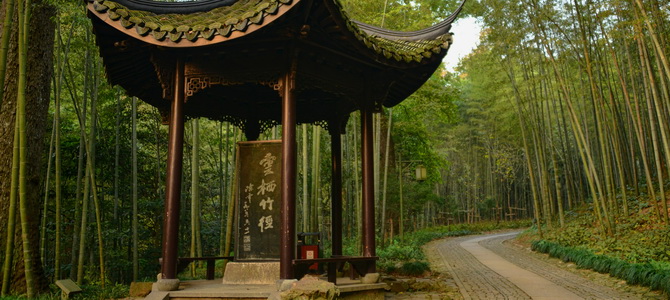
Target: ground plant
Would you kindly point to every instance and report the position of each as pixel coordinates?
(654, 275)
(638, 252)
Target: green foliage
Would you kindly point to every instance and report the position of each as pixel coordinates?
(421, 121)
(114, 291)
(655, 276)
(414, 268)
(397, 252)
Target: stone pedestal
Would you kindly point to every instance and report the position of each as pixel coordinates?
(251, 273)
(166, 285)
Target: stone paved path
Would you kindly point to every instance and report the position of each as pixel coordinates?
(485, 268)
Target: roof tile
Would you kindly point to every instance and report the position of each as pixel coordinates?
(240, 15)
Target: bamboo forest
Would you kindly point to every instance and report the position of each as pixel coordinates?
(557, 124)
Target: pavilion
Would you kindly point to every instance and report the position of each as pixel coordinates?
(261, 63)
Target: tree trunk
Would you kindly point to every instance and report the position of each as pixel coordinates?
(39, 70)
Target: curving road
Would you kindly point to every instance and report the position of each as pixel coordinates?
(486, 268)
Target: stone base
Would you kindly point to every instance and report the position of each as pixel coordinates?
(251, 273)
(166, 285)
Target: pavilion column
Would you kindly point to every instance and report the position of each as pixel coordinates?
(288, 188)
(174, 173)
(368, 184)
(336, 189)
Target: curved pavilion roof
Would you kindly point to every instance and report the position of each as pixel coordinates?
(235, 51)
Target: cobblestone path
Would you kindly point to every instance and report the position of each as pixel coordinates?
(486, 268)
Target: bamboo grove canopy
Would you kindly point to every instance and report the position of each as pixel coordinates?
(237, 49)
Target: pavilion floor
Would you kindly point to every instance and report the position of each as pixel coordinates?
(215, 289)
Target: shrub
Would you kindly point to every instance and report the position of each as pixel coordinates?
(414, 268)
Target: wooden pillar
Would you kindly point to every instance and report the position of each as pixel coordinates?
(174, 173)
(288, 188)
(368, 184)
(336, 189)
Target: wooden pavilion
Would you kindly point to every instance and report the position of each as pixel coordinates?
(261, 63)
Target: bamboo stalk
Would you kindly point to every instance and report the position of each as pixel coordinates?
(24, 15)
(134, 222)
(11, 215)
(4, 44)
(57, 104)
(386, 173)
(43, 223)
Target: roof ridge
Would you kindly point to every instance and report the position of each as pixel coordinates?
(221, 21)
(179, 7)
(432, 32)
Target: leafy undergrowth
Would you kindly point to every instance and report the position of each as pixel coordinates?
(654, 275)
(638, 251)
(111, 291)
(405, 257)
(639, 237)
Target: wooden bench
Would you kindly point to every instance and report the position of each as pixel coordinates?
(183, 262)
(360, 265)
(68, 287)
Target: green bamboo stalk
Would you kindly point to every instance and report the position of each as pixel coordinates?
(305, 190)
(84, 143)
(652, 106)
(640, 136)
(80, 161)
(631, 129)
(57, 263)
(386, 173)
(43, 224)
(90, 176)
(11, 217)
(596, 101)
(377, 133)
(98, 219)
(654, 38)
(117, 151)
(358, 193)
(4, 44)
(91, 157)
(314, 211)
(195, 197)
(136, 265)
(24, 14)
(224, 175)
(582, 143)
(231, 204)
(526, 147)
(83, 227)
